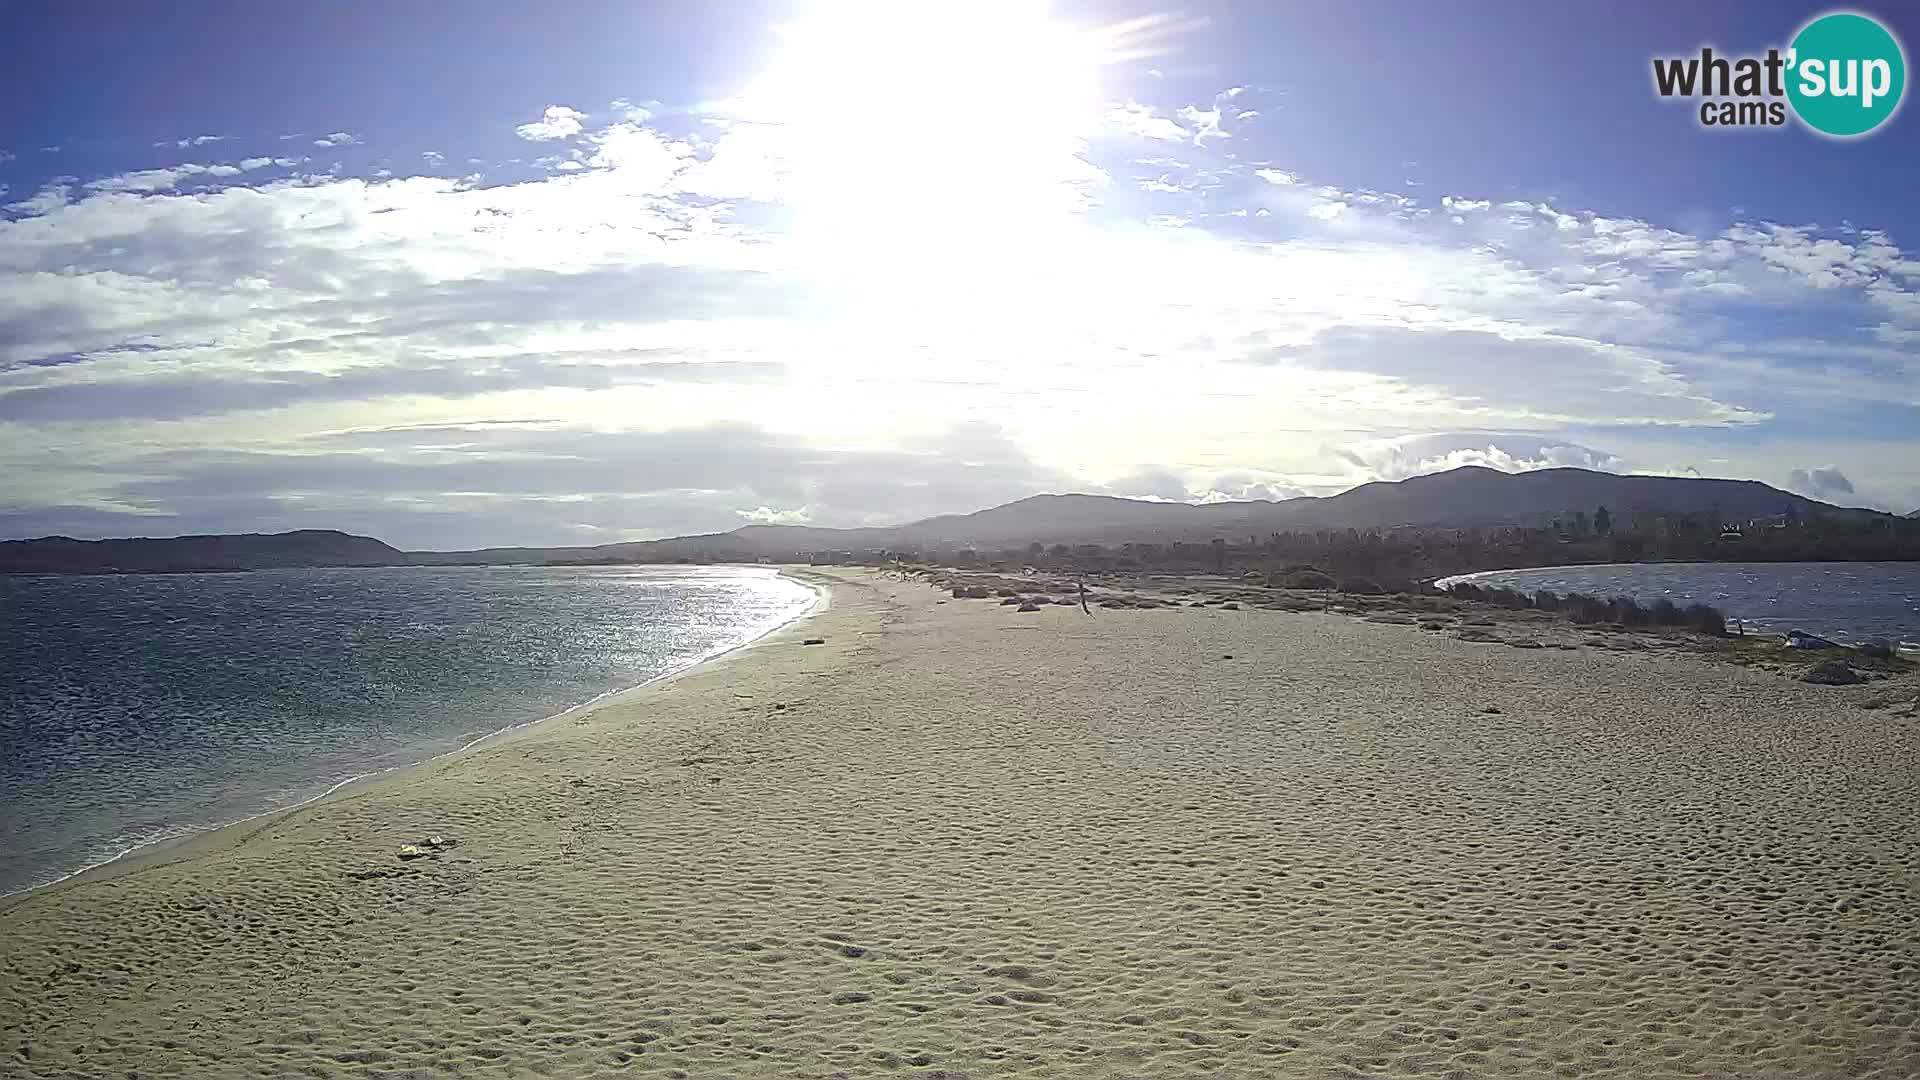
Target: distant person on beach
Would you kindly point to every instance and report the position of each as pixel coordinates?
(1082, 582)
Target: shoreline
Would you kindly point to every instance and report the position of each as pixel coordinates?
(132, 859)
(960, 839)
(1763, 626)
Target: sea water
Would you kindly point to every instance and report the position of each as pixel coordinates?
(141, 708)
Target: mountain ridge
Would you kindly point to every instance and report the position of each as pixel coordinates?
(1466, 497)
(210, 552)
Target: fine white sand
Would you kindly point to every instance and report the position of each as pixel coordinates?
(960, 840)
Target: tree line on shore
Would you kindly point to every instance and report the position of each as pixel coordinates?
(1398, 558)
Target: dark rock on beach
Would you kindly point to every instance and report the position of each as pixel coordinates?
(1832, 673)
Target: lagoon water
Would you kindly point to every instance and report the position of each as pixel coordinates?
(136, 709)
(1845, 601)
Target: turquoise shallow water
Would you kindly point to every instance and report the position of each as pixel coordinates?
(1846, 601)
(141, 708)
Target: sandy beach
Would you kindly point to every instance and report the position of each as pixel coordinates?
(960, 840)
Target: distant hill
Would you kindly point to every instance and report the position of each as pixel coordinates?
(1470, 497)
(1479, 496)
(251, 551)
(1460, 498)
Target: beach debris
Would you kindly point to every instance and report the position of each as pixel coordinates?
(1491, 710)
(431, 846)
(1028, 606)
(1832, 673)
(814, 641)
(1800, 639)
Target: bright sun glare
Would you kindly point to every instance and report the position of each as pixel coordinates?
(920, 138)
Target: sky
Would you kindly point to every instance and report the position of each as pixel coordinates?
(614, 271)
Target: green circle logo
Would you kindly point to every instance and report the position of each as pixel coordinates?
(1846, 74)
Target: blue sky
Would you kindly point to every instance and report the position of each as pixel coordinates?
(626, 270)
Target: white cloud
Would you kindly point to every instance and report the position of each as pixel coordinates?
(166, 179)
(558, 122)
(767, 515)
(643, 159)
(144, 180)
(643, 285)
(1205, 123)
(337, 138)
(1247, 487)
(1820, 482)
(1419, 455)
(634, 113)
(55, 194)
(1540, 378)
(1137, 119)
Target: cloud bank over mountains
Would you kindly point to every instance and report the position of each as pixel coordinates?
(672, 319)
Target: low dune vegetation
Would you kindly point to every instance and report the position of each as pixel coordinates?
(1467, 611)
(1587, 610)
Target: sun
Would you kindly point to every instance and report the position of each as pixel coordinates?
(919, 138)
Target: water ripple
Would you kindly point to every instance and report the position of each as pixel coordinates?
(1861, 601)
(140, 708)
